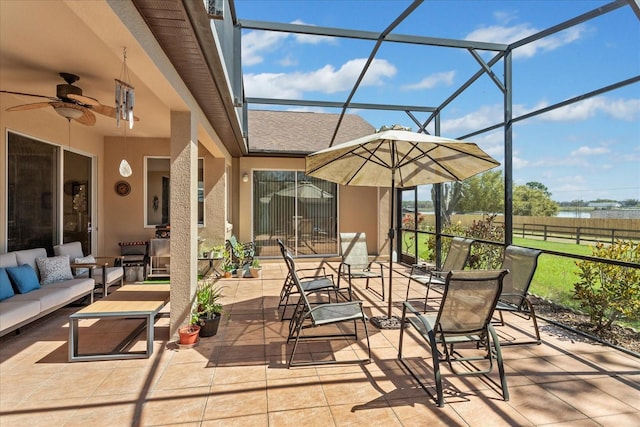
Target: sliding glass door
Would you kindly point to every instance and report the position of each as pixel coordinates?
(297, 209)
(76, 200)
(47, 203)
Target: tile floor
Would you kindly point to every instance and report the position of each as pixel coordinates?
(239, 377)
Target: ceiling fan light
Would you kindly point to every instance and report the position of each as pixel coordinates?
(68, 112)
(125, 169)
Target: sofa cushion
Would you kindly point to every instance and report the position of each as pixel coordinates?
(54, 269)
(8, 260)
(24, 278)
(29, 256)
(14, 312)
(73, 249)
(89, 259)
(6, 290)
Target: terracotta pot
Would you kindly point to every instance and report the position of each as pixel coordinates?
(189, 334)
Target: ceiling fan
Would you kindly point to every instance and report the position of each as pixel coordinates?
(69, 102)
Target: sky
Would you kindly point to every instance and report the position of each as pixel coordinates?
(585, 151)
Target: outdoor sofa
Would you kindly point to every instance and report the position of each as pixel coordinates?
(33, 285)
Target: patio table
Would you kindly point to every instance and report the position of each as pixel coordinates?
(129, 301)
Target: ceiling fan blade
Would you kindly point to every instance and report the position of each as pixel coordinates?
(30, 94)
(105, 110)
(29, 106)
(86, 100)
(87, 119)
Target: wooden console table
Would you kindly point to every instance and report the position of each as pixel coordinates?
(129, 301)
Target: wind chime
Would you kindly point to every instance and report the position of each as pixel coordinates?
(125, 100)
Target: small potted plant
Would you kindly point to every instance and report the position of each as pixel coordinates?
(207, 310)
(255, 269)
(189, 334)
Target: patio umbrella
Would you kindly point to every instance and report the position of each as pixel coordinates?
(400, 158)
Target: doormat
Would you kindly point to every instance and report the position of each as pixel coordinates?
(157, 282)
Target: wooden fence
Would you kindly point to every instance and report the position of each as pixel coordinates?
(578, 230)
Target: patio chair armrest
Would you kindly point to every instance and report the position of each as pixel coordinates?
(423, 320)
(425, 267)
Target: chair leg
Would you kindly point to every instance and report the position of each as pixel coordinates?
(436, 368)
(503, 377)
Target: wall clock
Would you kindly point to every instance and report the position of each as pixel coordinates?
(123, 188)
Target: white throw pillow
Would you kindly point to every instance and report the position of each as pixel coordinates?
(89, 259)
(54, 269)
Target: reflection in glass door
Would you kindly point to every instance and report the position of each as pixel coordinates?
(76, 200)
(408, 237)
(297, 209)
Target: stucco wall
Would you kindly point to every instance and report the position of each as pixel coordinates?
(124, 216)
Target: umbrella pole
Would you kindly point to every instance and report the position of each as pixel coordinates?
(389, 321)
(391, 236)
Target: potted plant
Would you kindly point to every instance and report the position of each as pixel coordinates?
(207, 310)
(189, 334)
(255, 269)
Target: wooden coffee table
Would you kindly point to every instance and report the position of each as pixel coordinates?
(129, 301)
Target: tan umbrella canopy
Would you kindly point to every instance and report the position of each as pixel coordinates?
(402, 159)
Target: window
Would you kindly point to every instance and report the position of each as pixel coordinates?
(157, 190)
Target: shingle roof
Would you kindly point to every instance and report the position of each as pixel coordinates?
(292, 132)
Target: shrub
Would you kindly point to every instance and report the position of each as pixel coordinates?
(484, 255)
(609, 292)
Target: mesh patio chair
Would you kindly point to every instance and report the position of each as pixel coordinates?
(308, 316)
(355, 262)
(522, 264)
(315, 282)
(456, 259)
(464, 319)
(101, 269)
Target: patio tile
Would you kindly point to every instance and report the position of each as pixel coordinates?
(239, 374)
(259, 420)
(40, 412)
(295, 393)
(116, 410)
(541, 407)
(171, 407)
(240, 377)
(486, 411)
(422, 411)
(311, 417)
(184, 375)
(236, 400)
(588, 399)
(367, 414)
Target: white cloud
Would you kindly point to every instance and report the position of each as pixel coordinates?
(325, 80)
(256, 43)
(429, 82)
(311, 39)
(619, 109)
(589, 151)
(486, 115)
(509, 34)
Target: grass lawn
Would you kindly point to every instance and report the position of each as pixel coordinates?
(555, 275)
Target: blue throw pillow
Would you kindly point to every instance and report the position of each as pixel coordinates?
(6, 290)
(24, 278)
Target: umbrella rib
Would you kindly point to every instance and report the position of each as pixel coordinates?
(425, 154)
